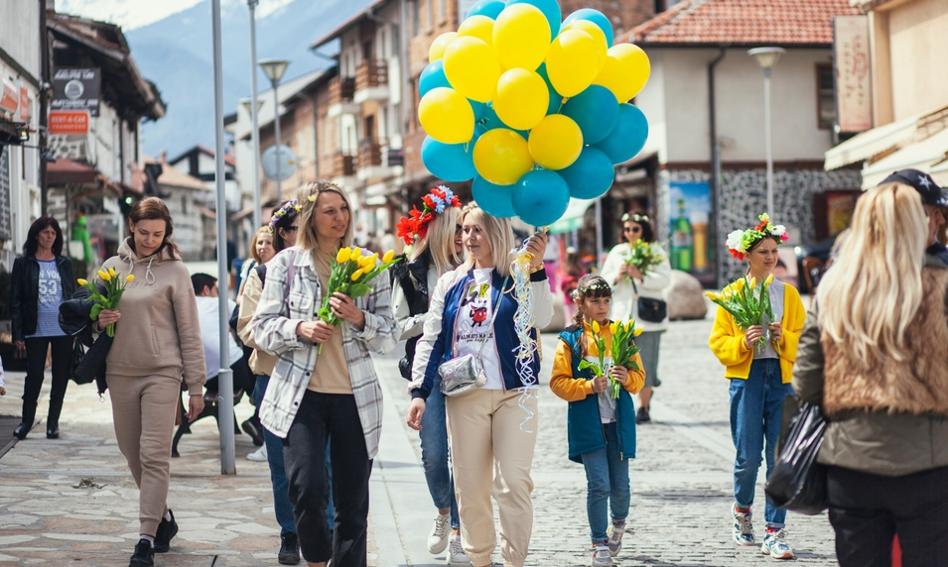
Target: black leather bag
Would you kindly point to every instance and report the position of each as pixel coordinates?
(652, 310)
(798, 482)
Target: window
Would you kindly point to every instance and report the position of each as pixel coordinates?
(825, 97)
(396, 40)
(415, 17)
(413, 113)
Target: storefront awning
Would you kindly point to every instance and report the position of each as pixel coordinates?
(70, 172)
(572, 219)
(927, 155)
(870, 143)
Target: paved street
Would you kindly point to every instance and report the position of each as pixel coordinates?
(73, 499)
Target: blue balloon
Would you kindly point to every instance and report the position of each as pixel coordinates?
(489, 8)
(629, 135)
(432, 77)
(590, 176)
(495, 200)
(595, 110)
(541, 197)
(596, 17)
(450, 162)
(550, 9)
(556, 99)
(479, 109)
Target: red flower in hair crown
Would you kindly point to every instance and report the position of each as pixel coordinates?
(739, 242)
(415, 225)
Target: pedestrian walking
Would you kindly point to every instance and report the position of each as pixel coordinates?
(42, 278)
(324, 382)
(759, 380)
(435, 250)
(639, 294)
(157, 340)
(873, 356)
(600, 427)
(493, 429)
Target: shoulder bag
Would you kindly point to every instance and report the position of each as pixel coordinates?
(463, 374)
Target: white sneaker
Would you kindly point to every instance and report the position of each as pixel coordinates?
(601, 556)
(743, 531)
(438, 538)
(456, 555)
(775, 546)
(615, 538)
(258, 456)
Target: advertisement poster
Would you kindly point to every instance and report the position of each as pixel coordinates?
(76, 90)
(689, 247)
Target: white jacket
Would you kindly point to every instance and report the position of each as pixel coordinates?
(625, 296)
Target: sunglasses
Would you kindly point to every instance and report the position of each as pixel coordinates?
(633, 229)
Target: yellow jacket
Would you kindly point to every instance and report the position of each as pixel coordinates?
(727, 338)
(571, 388)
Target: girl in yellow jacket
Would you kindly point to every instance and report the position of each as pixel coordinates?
(759, 380)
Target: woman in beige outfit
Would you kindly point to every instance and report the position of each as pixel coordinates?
(157, 340)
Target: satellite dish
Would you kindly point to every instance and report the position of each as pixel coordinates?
(279, 163)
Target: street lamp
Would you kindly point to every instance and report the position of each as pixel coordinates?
(274, 69)
(767, 57)
(253, 109)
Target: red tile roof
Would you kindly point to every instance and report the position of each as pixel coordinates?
(743, 23)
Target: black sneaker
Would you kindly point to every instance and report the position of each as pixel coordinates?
(167, 529)
(289, 550)
(642, 416)
(251, 429)
(144, 555)
(21, 430)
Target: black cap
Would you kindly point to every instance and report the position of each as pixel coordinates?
(922, 182)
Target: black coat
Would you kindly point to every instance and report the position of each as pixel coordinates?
(74, 320)
(24, 292)
(413, 279)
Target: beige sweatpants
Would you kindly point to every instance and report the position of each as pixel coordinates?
(143, 410)
(491, 439)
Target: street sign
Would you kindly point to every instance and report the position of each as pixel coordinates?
(63, 122)
(278, 162)
(76, 89)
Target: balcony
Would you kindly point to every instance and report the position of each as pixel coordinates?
(343, 166)
(370, 154)
(371, 81)
(341, 93)
(376, 161)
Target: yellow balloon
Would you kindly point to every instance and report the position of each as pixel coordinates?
(521, 37)
(625, 72)
(501, 156)
(522, 99)
(480, 27)
(446, 116)
(590, 28)
(556, 142)
(471, 67)
(436, 51)
(574, 60)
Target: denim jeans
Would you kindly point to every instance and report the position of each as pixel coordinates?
(434, 455)
(281, 500)
(607, 478)
(756, 408)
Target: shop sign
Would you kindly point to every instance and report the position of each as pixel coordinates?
(76, 89)
(69, 123)
(853, 77)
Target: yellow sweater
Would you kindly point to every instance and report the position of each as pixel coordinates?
(727, 338)
(573, 389)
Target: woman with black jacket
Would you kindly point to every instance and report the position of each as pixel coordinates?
(42, 279)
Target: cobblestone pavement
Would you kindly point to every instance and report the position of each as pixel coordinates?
(681, 480)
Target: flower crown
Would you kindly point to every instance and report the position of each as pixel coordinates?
(739, 242)
(278, 214)
(415, 225)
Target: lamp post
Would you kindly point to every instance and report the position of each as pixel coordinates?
(767, 57)
(253, 109)
(274, 69)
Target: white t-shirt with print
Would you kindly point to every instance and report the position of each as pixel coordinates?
(473, 327)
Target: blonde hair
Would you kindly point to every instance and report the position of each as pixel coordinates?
(874, 289)
(261, 231)
(441, 232)
(308, 198)
(499, 234)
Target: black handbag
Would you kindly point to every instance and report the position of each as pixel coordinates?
(798, 482)
(652, 310)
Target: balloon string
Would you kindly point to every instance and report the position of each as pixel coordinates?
(523, 325)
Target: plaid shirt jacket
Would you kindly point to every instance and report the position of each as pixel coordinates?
(282, 306)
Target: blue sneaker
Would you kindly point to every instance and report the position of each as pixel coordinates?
(743, 532)
(775, 546)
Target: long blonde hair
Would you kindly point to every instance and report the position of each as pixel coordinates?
(499, 234)
(439, 240)
(874, 289)
(308, 198)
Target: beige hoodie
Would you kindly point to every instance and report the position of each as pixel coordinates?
(159, 333)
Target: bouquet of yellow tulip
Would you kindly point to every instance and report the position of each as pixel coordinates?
(107, 294)
(622, 353)
(644, 257)
(748, 302)
(352, 274)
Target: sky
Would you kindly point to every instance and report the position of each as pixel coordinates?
(131, 14)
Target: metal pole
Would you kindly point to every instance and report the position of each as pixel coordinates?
(768, 142)
(599, 250)
(225, 404)
(279, 153)
(255, 132)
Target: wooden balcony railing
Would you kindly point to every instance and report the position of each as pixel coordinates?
(343, 165)
(371, 73)
(341, 89)
(370, 153)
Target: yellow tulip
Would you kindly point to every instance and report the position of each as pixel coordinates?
(753, 282)
(104, 275)
(129, 278)
(713, 296)
(343, 255)
(82, 282)
(366, 263)
(595, 327)
(769, 280)
(630, 324)
(112, 272)
(357, 274)
(356, 254)
(613, 327)
(388, 257)
(637, 332)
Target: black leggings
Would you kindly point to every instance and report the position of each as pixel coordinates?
(35, 369)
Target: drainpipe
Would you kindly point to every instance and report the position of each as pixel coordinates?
(715, 164)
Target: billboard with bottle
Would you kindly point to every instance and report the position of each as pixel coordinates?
(689, 248)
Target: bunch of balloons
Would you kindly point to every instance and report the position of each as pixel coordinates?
(533, 109)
